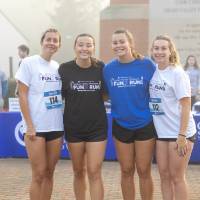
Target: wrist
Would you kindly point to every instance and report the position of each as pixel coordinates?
(182, 135)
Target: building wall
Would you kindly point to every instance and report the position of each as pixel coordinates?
(130, 15)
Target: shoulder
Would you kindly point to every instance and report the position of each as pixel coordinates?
(148, 62)
(54, 64)
(178, 72)
(177, 69)
(111, 64)
(30, 59)
(100, 64)
(66, 66)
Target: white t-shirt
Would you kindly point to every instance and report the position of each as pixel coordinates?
(167, 87)
(44, 95)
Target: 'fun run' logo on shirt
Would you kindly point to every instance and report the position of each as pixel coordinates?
(49, 77)
(126, 82)
(85, 85)
(158, 86)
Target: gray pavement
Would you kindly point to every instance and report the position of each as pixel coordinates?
(16, 175)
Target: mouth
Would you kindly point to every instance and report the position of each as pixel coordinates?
(119, 50)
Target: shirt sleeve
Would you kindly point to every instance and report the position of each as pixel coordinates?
(24, 74)
(182, 84)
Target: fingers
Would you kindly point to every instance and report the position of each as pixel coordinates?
(30, 136)
(182, 151)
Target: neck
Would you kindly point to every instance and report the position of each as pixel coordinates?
(83, 63)
(46, 57)
(126, 59)
(162, 66)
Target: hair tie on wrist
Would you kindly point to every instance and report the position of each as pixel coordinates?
(182, 135)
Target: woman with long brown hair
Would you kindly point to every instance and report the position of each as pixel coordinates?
(127, 78)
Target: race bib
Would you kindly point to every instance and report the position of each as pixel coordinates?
(53, 99)
(155, 105)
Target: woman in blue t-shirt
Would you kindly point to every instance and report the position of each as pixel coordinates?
(127, 79)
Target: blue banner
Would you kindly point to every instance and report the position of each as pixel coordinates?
(12, 144)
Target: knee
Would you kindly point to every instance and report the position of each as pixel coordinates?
(39, 176)
(79, 173)
(177, 178)
(94, 173)
(127, 171)
(49, 173)
(144, 173)
(164, 175)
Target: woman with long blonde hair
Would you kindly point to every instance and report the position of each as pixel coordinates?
(170, 105)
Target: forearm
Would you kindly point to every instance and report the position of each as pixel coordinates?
(24, 105)
(185, 114)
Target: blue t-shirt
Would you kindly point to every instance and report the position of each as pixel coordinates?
(128, 88)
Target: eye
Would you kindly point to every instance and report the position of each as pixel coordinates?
(55, 40)
(114, 42)
(121, 41)
(156, 48)
(89, 45)
(80, 44)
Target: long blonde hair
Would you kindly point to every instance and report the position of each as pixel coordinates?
(130, 38)
(174, 57)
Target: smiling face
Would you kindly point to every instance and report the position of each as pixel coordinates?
(161, 52)
(121, 46)
(50, 43)
(84, 47)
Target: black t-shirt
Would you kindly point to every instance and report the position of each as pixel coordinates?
(82, 89)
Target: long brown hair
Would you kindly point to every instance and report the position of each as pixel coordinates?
(94, 61)
(130, 38)
(196, 66)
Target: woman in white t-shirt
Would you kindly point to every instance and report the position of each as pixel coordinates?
(41, 108)
(170, 103)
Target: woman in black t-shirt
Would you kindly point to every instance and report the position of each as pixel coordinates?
(85, 120)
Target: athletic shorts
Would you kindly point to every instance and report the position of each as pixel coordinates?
(97, 136)
(128, 136)
(52, 135)
(192, 139)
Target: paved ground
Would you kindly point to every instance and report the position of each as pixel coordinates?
(15, 177)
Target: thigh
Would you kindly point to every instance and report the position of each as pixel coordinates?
(144, 153)
(53, 148)
(95, 152)
(125, 154)
(36, 150)
(178, 164)
(162, 155)
(77, 152)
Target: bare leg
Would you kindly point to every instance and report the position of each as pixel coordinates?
(178, 166)
(77, 152)
(125, 154)
(143, 157)
(95, 152)
(37, 156)
(53, 148)
(163, 157)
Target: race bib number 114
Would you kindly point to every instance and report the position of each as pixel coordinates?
(53, 99)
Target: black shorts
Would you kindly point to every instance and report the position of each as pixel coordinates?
(128, 136)
(52, 135)
(96, 136)
(192, 139)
